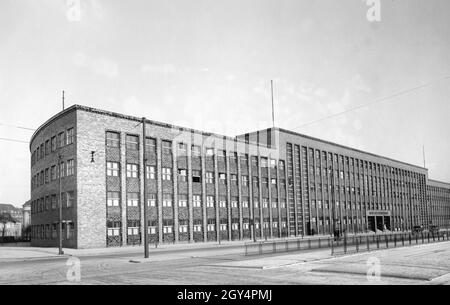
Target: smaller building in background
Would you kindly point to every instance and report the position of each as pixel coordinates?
(26, 215)
(11, 219)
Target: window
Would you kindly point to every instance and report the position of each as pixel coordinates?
(53, 143)
(47, 147)
(182, 201)
(234, 202)
(70, 167)
(166, 147)
(221, 154)
(112, 199)
(132, 142)
(70, 199)
(265, 203)
(151, 200)
(274, 204)
(245, 224)
(233, 157)
(273, 163)
(182, 149)
(255, 203)
(47, 176)
(235, 224)
(281, 165)
(254, 160)
(255, 181)
(244, 180)
(151, 172)
(245, 202)
(211, 225)
(222, 201)
(264, 181)
(223, 224)
(273, 181)
(69, 139)
(282, 204)
(182, 226)
(166, 173)
(233, 179)
(133, 227)
(167, 226)
(275, 224)
(150, 145)
(209, 201)
(132, 170)
(196, 176)
(195, 150)
(263, 162)
(53, 202)
(197, 225)
(112, 169)
(182, 175)
(209, 152)
(222, 178)
(196, 201)
(167, 200)
(53, 172)
(61, 139)
(257, 223)
(132, 199)
(209, 177)
(152, 224)
(112, 139)
(114, 228)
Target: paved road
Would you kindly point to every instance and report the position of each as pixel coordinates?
(422, 264)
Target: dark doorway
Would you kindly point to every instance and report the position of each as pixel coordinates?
(371, 223)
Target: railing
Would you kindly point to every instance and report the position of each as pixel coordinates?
(346, 244)
(356, 244)
(286, 245)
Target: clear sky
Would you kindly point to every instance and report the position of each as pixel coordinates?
(208, 65)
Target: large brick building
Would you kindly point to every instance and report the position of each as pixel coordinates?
(208, 187)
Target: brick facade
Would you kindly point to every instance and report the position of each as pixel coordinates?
(279, 180)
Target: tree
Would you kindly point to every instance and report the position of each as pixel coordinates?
(4, 219)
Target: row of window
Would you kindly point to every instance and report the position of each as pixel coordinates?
(132, 143)
(51, 202)
(132, 171)
(62, 139)
(114, 227)
(52, 173)
(51, 231)
(113, 200)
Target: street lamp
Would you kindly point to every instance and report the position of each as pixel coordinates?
(60, 252)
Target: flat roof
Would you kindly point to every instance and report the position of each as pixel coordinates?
(133, 118)
(334, 144)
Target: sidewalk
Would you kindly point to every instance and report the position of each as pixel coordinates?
(14, 253)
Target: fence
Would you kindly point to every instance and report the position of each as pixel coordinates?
(287, 245)
(355, 244)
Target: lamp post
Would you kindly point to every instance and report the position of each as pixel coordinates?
(333, 203)
(145, 192)
(60, 252)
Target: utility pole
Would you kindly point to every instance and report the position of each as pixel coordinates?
(60, 252)
(145, 192)
(333, 203)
